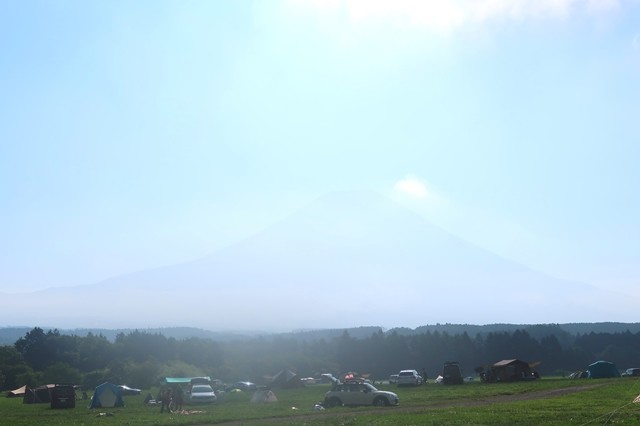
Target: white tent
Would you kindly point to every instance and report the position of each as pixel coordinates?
(262, 396)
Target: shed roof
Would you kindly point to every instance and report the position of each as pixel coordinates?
(506, 362)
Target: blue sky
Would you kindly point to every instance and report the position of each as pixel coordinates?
(140, 134)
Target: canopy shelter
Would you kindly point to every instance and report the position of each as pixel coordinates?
(17, 392)
(286, 379)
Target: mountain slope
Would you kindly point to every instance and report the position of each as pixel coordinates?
(348, 259)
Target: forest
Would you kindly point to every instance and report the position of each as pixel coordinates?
(142, 359)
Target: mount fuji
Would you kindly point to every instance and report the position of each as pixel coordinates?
(348, 259)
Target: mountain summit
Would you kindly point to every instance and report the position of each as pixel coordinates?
(347, 259)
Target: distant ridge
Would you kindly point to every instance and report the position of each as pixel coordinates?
(9, 335)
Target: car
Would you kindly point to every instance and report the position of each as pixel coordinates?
(63, 396)
(126, 390)
(202, 394)
(244, 386)
(217, 384)
(451, 373)
(393, 379)
(409, 378)
(328, 378)
(308, 380)
(358, 393)
(200, 381)
(631, 372)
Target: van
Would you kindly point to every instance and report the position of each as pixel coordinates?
(409, 378)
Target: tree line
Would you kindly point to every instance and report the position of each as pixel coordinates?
(142, 359)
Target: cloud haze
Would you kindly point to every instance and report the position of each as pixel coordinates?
(139, 135)
(447, 16)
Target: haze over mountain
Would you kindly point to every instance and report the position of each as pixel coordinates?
(137, 135)
(348, 259)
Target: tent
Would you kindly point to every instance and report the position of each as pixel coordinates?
(286, 379)
(17, 392)
(510, 370)
(39, 395)
(602, 370)
(263, 396)
(579, 375)
(106, 395)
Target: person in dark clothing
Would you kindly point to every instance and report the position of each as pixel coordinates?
(165, 400)
(178, 399)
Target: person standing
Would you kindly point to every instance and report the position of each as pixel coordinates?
(165, 400)
(178, 399)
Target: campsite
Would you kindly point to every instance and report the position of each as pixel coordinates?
(551, 400)
(500, 383)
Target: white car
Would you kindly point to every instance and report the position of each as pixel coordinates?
(202, 394)
(409, 378)
(308, 380)
(358, 393)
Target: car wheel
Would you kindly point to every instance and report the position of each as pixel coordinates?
(334, 402)
(380, 402)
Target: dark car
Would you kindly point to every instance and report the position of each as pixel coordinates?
(63, 396)
(451, 374)
(244, 386)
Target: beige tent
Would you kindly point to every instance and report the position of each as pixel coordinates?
(17, 392)
(263, 396)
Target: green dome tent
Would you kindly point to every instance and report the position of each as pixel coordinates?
(602, 370)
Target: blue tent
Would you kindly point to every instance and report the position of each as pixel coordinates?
(602, 370)
(106, 395)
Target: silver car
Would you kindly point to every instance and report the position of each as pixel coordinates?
(358, 393)
(202, 394)
(409, 378)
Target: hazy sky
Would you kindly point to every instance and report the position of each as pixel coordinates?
(136, 134)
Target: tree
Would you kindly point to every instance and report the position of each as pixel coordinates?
(11, 366)
(61, 372)
(143, 375)
(33, 347)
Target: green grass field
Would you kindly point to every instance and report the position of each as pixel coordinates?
(547, 401)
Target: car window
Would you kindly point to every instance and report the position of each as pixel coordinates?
(200, 389)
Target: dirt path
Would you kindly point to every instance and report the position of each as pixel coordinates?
(498, 399)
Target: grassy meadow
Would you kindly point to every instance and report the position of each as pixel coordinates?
(552, 401)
